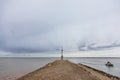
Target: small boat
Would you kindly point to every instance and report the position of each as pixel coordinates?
(109, 64)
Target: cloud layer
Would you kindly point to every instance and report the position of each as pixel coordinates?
(46, 25)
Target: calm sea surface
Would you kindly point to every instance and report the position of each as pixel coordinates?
(20, 66)
(99, 63)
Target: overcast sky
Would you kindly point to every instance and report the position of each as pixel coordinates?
(29, 26)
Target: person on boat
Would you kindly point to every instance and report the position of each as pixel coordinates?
(108, 62)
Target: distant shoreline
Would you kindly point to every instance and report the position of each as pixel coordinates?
(58, 57)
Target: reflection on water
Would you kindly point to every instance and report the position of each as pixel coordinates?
(21, 66)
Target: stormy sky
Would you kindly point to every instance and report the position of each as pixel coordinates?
(33, 26)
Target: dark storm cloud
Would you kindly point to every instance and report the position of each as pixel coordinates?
(94, 46)
(46, 25)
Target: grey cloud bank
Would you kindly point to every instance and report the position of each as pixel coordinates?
(45, 25)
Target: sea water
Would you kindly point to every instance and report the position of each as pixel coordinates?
(21, 66)
(99, 63)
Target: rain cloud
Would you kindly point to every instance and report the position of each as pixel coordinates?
(46, 25)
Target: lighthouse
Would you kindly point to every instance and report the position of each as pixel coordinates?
(61, 53)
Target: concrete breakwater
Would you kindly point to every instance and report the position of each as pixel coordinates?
(65, 70)
(112, 77)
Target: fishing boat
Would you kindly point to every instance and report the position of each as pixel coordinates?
(109, 64)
